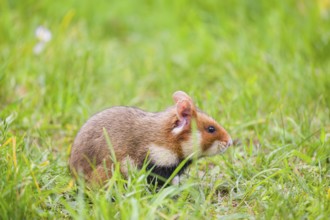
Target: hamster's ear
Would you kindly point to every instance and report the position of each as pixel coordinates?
(184, 109)
(180, 95)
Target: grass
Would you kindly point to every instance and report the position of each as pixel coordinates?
(260, 68)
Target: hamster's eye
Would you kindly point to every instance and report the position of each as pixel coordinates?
(211, 129)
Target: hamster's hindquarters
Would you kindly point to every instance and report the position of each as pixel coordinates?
(92, 169)
(90, 156)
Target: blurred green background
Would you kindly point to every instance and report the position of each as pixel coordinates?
(260, 68)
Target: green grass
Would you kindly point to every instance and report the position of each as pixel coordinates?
(260, 68)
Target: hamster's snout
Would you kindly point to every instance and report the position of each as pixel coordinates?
(229, 142)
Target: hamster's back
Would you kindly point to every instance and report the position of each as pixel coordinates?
(90, 141)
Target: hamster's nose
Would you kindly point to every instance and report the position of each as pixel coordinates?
(229, 142)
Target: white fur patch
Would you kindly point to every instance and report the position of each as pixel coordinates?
(192, 145)
(216, 148)
(162, 156)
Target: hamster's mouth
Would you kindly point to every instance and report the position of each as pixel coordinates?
(218, 147)
(222, 146)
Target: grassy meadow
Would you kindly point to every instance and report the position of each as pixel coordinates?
(260, 68)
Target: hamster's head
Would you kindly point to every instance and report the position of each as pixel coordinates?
(206, 138)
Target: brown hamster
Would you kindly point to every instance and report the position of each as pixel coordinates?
(166, 138)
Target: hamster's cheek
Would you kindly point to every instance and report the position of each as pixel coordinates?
(216, 148)
(213, 149)
(192, 144)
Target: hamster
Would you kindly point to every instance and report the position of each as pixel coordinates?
(164, 139)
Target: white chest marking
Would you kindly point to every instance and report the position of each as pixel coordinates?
(192, 145)
(162, 156)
